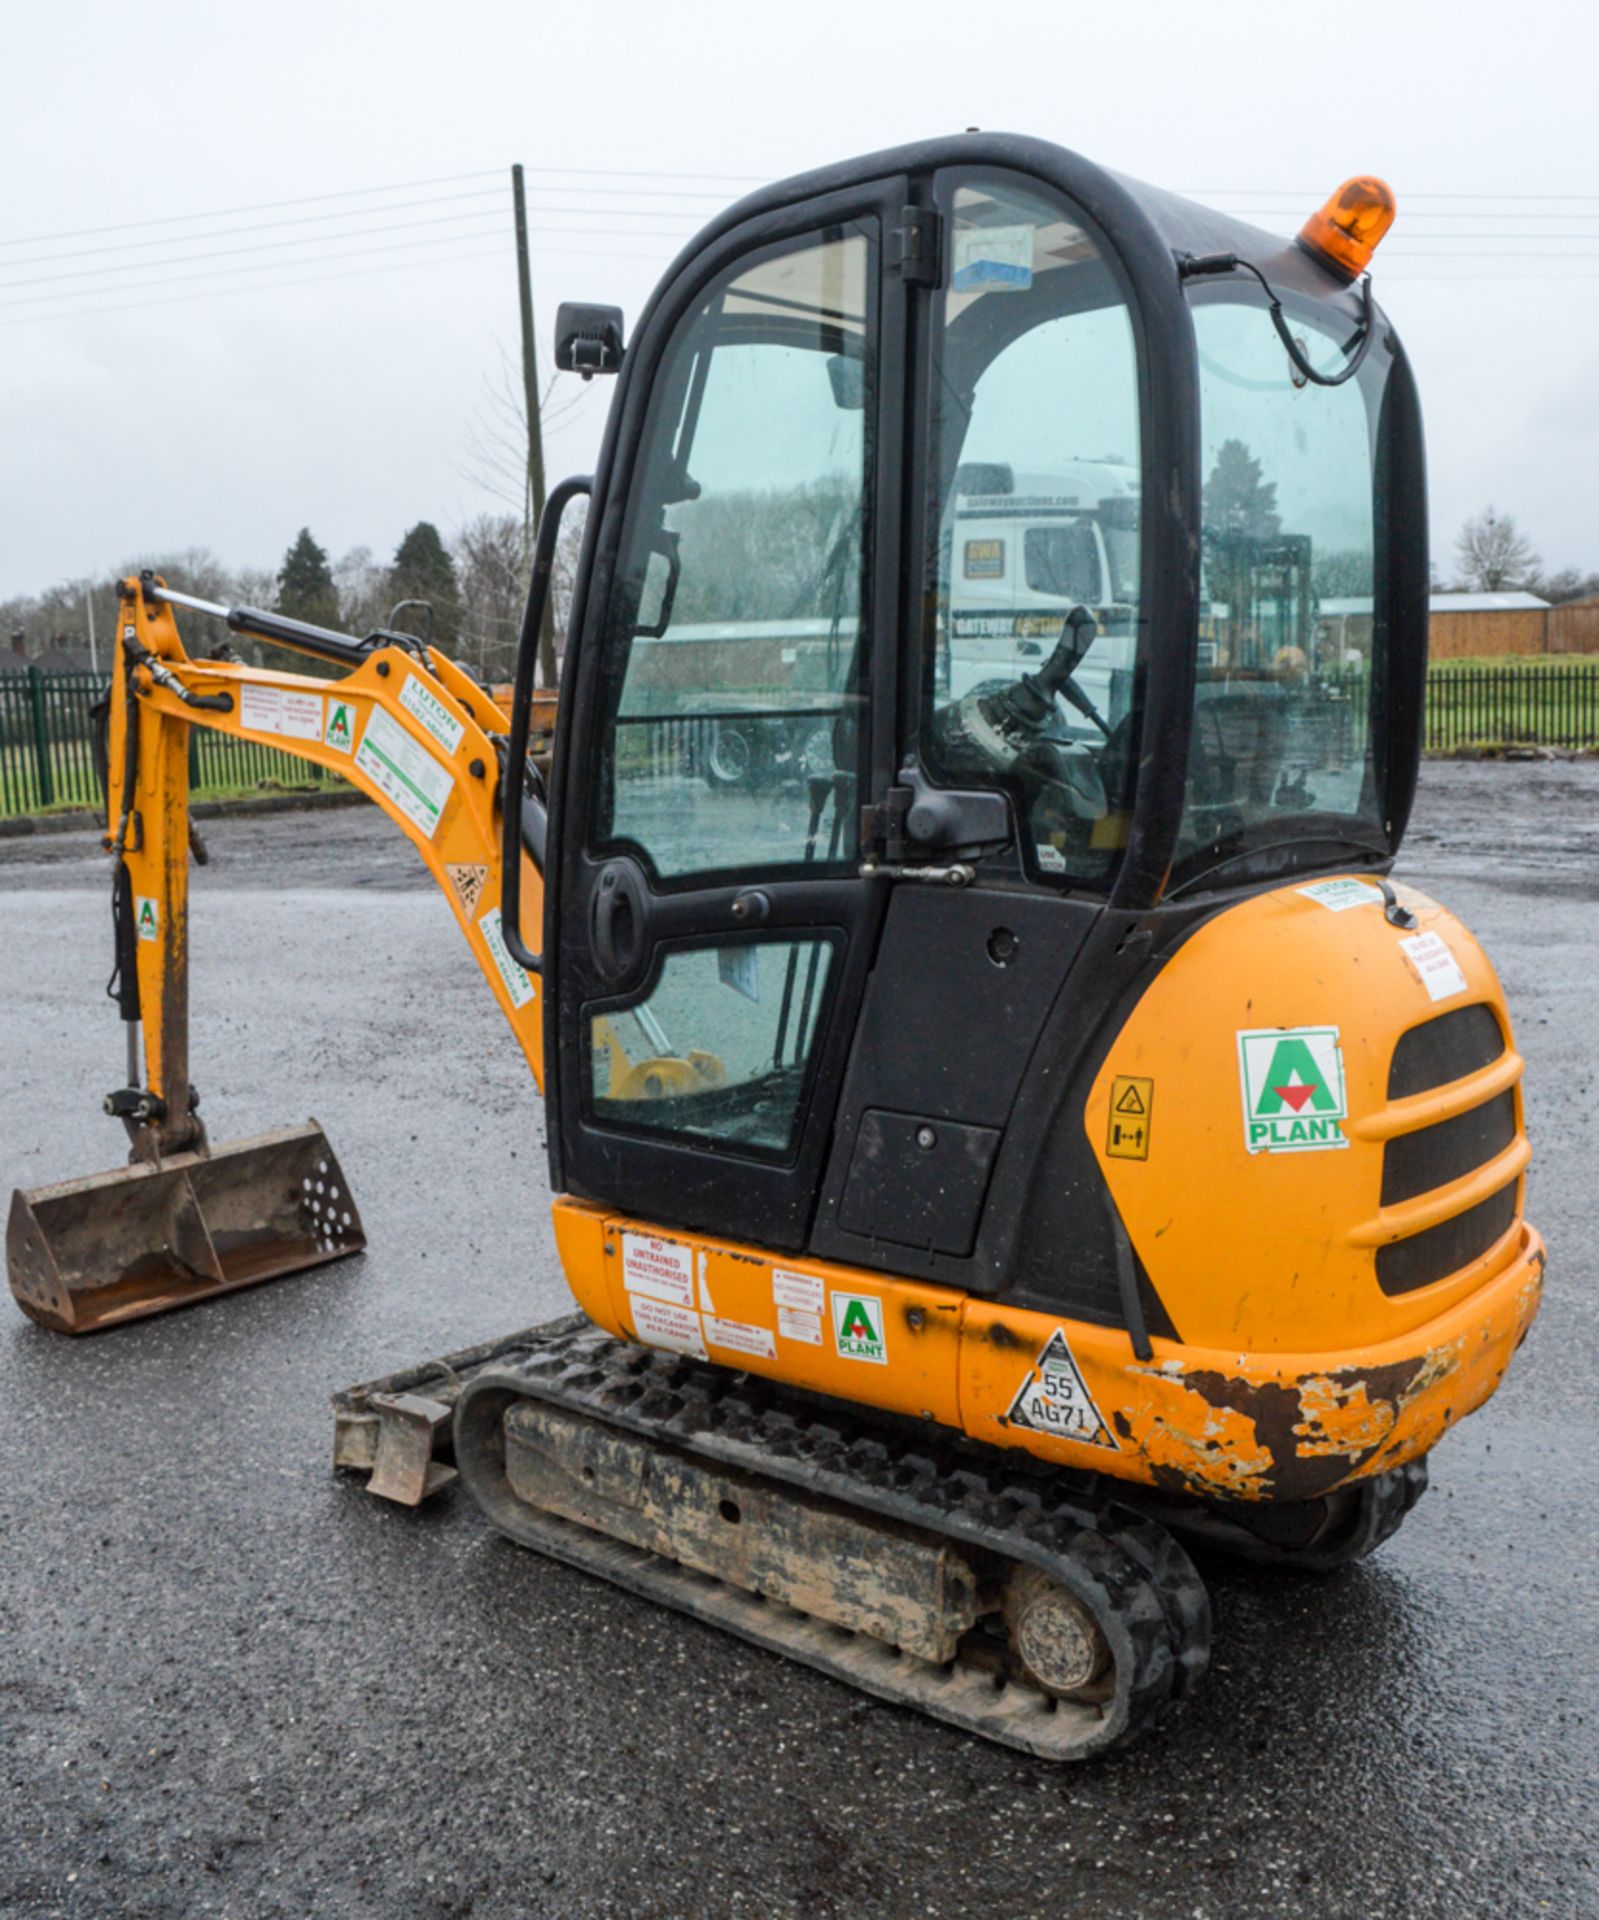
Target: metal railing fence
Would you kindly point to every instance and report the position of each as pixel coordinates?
(1523, 704)
(47, 756)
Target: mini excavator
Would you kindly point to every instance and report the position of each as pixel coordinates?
(1024, 1131)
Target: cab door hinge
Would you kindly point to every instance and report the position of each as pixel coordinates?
(916, 247)
(883, 825)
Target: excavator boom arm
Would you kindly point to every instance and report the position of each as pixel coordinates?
(410, 728)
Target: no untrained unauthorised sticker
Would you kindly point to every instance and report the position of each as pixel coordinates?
(659, 1267)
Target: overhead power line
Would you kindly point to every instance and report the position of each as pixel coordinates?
(267, 286)
(428, 259)
(461, 219)
(258, 226)
(259, 246)
(397, 206)
(355, 253)
(1317, 198)
(258, 206)
(356, 193)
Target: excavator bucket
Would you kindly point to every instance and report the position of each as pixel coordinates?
(92, 1253)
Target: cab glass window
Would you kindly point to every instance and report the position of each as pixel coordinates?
(1289, 643)
(719, 1049)
(1033, 529)
(734, 636)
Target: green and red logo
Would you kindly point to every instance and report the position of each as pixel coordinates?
(1293, 1084)
(340, 729)
(858, 1327)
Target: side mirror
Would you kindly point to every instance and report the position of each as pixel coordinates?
(662, 571)
(847, 375)
(588, 340)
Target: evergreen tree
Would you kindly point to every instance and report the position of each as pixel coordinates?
(1237, 500)
(305, 584)
(423, 570)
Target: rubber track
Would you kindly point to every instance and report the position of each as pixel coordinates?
(1133, 1574)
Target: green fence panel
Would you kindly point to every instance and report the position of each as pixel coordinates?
(47, 748)
(1540, 704)
(47, 729)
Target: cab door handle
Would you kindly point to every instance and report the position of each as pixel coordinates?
(616, 920)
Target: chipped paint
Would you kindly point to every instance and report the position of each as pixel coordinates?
(1340, 1417)
(1239, 1437)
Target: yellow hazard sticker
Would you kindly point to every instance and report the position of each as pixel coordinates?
(1132, 1106)
(468, 879)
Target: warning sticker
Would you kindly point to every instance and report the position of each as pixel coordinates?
(802, 1290)
(340, 729)
(425, 706)
(518, 984)
(404, 771)
(738, 1336)
(1338, 896)
(660, 1325)
(793, 1323)
(858, 1327)
(662, 1268)
(468, 882)
(147, 918)
(1436, 967)
(1293, 1087)
(988, 257)
(1054, 1399)
(1132, 1104)
(297, 716)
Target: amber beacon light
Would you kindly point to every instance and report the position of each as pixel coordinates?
(1346, 230)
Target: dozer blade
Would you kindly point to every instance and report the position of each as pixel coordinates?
(92, 1253)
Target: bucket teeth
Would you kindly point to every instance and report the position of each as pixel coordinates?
(141, 1239)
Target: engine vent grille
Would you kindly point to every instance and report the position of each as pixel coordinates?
(1417, 1162)
(1447, 1247)
(1436, 1054)
(1444, 1049)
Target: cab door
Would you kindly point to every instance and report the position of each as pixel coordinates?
(728, 708)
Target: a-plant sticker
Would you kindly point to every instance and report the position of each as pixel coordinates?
(147, 918)
(340, 729)
(1293, 1085)
(858, 1327)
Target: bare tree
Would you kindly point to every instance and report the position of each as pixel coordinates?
(1493, 554)
(1570, 583)
(363, 588)
(563, 581)
(497, 438)
(494, 559)
(491, 563)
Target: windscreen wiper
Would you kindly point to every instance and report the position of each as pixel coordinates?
(1278, 846)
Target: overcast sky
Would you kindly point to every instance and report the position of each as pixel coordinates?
(161, 387)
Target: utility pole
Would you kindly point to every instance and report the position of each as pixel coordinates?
(94, 654)
(530, 389)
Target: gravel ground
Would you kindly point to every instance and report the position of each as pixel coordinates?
(232, 1684)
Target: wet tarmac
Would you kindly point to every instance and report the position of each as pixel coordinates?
(233, 1684)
